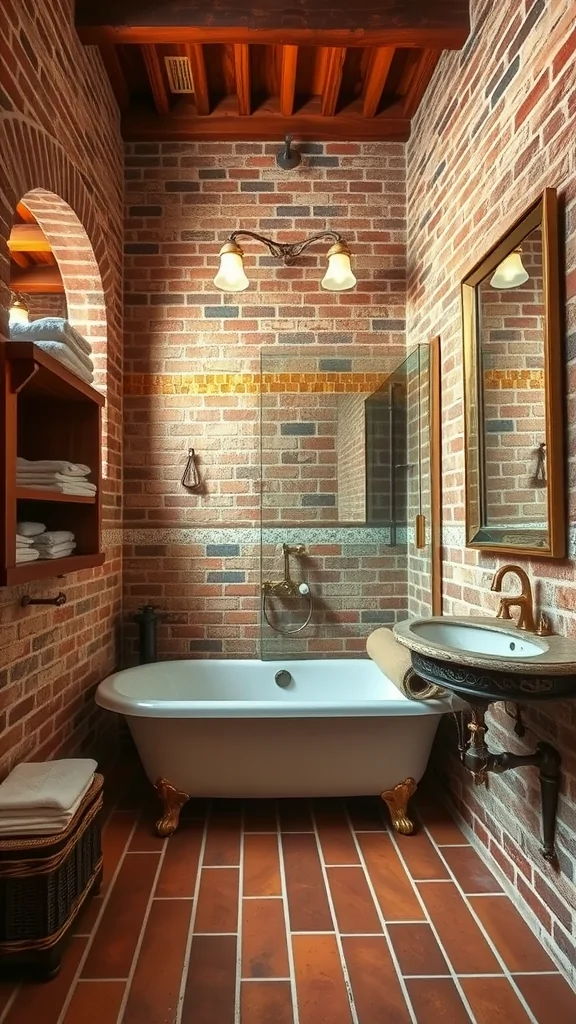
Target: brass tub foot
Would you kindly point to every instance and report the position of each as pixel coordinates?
(173, 801)
(396, 800)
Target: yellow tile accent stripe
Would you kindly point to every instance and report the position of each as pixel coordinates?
(138, 384)
(516, 380)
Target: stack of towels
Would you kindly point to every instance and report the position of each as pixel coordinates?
(59, 339)
(33, 541)
(54, 475)
(41, 798)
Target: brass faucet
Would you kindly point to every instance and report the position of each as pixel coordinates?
(524, 600)
(286, 587)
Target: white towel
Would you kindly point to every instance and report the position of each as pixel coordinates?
(26, 555)
(50, 328)
(40, 821)
(30, 529)
(58, 350)
(41, 786)
(53, 466)
(62, 551)
(60, 488)
(28, 478)
(23, 542)
(52, 538)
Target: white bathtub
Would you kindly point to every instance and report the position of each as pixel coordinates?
(225, 729)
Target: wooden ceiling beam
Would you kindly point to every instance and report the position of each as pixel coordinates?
(419, 82)
(195, 56)
(242, 71)
(378, 69)
(19, 258)
(412, 23)
(156, 78)
(111, 61)
(37, 281)
(25, 214)
(288, 79)
(28, 238)
(333, 80)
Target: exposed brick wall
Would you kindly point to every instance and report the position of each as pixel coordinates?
(496, 126)
(351, 457)
(45, 304)
(52, 94)
(193, 359)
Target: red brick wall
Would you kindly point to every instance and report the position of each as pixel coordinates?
(45, 304)
(192, 364)
(52, 94)
(496, 126)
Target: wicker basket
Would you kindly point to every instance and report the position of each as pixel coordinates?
(44, 881)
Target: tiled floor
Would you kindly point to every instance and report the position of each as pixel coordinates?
(295, 914)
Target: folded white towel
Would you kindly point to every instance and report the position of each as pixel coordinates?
(50, 328)
(27, 529)
(46, 785)
(60, 351)
(23, 542)
(53, 466)
(40, 821)
(26, 554)
(52, 538)
(61, 488)
(27, 479)
(61, 552)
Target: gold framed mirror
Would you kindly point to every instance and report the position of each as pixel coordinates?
(513, 391)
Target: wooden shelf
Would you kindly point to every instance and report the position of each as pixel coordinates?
(40, 374)
(48, 568)
(31, 494)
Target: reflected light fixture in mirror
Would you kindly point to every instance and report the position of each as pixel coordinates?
(231, 276)
(19, 313)
(511, 273)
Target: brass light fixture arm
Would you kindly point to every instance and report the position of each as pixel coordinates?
(285, 251)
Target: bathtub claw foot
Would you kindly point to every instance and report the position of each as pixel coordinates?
(173, 801)
(396, 800)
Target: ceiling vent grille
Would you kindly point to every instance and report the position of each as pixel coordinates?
(179, 74)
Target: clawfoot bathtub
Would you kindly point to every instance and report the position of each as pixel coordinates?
(229, 729)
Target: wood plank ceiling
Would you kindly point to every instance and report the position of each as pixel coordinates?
(33, 267)
(319, 69)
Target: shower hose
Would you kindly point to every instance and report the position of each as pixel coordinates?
(288, 632)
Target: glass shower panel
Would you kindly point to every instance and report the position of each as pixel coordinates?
(337, 483)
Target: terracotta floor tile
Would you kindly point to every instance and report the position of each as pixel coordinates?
(421, 857)
(268, 1002)
(211, 982)
(115, 837)
(550, 998)
(115, 941)
(437, 1001)
(494, 1001)
(260, 816)
(470, 871)
(353, 903)
(517, 945)
(307, 899)
(223, 835)
(391, 883)
(336, 839)
(180, 864)
(417, 949)
(218, 901)
(377, 994)
(295, 815)
(42, 1003)
(322, 997)
(6, 992)
(261, 866)
(87, 917)
(462, 939)
(96, 1002)
(367, 813)
(145, 838)
(264, 953)
(155, 988)
(437, 820)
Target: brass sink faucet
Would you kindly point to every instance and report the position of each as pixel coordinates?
(524, 600)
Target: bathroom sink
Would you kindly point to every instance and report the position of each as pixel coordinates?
(462, 636)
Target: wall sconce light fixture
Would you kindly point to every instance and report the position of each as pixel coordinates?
(511, 273)
(231, 276)
(19, 313)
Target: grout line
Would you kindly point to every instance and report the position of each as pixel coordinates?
(531, 974)
(239, 921)
(10, 1003)
(476, 894)
(211, 935)
(313, 932)
(290, 951)
(244, 980)
(220, 867)
(383, 923)
(173, 899)
(262, 897)
(188, 948)
(140, 941)
(433, 881)
(485, 933)
(96, 926)
(337, 935)
(446, 846)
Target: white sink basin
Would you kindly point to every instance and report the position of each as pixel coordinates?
(461, 636)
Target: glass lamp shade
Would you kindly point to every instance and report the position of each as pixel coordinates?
(18, 311)
(511, 273)
(231, 276)
(338, 276)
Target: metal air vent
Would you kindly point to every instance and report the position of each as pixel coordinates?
(179, 74)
